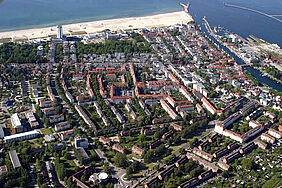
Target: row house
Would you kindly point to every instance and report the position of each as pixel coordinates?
(168, 109)
(233, 146)
(267, 138)
(200, 161)
(188, 107)
(167, 135)
(274, 133)
(176, 126)
(203, 154)
(223, 165)
(62, 126)
(106, 121)
(247, 148)
(154, 144)
(67, 134)
(46, 104)
(260, 144)
(190, 183)
(230, 158)
(220, 153)
(84, 116)
(104, 140)
(137, 150)
(181, 161)
(49, 111)
(118, 148)
(166, 172)
(56, 118)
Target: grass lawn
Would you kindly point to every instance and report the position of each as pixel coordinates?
(148, 166)
(46, 131)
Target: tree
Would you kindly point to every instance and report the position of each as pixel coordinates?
(120, 160)
(225, 174)
(194, 142)
(247, 164)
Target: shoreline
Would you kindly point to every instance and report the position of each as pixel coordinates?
(158, 20)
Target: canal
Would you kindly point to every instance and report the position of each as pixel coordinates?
(254, 72)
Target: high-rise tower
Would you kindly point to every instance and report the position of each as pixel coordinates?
(60, 32)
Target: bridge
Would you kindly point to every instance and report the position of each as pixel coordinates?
(186, 7)
(256, 11)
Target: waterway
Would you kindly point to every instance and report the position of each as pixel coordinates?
(254, 72)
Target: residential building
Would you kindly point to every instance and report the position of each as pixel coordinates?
(21, 136)
(16, 124)
(14, 159)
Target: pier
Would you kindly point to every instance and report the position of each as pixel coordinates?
(186, 7)
(256, 11)
(208, 25)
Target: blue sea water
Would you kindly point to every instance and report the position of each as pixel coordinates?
(20, 14)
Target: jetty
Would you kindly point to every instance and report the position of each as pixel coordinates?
(252, 10)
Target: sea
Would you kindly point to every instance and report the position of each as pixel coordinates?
(19, 14)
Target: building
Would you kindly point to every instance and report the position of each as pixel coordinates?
(46, 104)
(16, 124)
(247, 148)
(2, 134)
(274, 133)
(81, 142)
(168, 109)
(57, 118)
(154, 144)
(260, 144)
(203, 154)
(188, 107)
(267, 138)
(62, 126)
(14, 159)
(137, 150)
(223, 165)
(230, 158)
(200, 109)
(118, 148)
(49, 111)
(32, 120)
(3, 169)
(67, 134)
(176, 126)
(105, 141)
(220, 153)
(59, 32)
(21, 136)
(203, 162)
(167, 135)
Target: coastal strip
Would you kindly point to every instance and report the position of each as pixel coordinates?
(159, 20)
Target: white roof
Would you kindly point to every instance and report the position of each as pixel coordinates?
(21, 134)
(16, 120)
(102, 176)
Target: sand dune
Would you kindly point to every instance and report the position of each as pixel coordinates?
(96, 26)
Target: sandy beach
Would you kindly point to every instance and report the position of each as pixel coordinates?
(96, 26)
